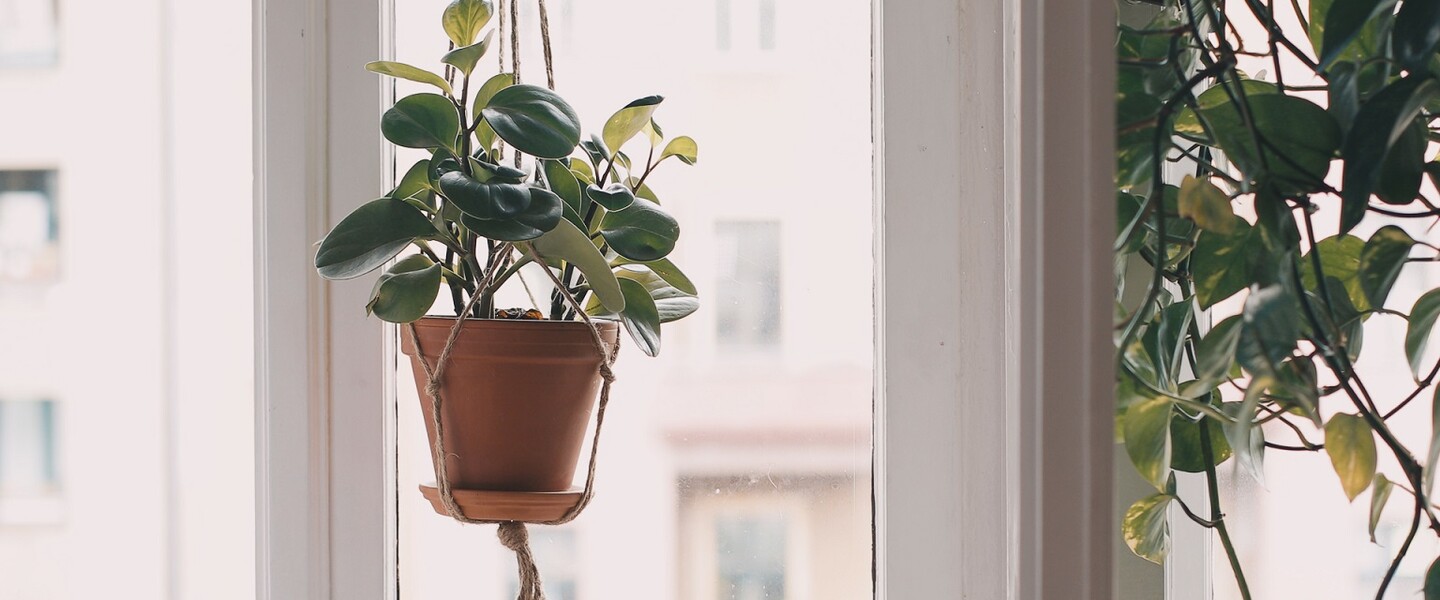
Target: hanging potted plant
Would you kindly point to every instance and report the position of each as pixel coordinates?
(507, 394)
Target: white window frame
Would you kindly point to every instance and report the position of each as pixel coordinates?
(993, 126)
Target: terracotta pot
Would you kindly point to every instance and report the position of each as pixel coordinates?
(518, 396)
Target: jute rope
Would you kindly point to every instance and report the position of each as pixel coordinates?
(512, 534)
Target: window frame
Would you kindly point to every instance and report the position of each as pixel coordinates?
(1010, 395)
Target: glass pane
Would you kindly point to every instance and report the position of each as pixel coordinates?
(126, 452)
(736, 465)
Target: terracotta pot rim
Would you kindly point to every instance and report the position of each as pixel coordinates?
(436, 320)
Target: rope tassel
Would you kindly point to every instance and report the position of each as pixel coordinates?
(516, 537)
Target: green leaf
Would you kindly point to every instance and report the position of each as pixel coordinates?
(1215, 354)
(641, 317)
(1343, 22)
(562, 181)
(683, 147)
(422, 121)
(1432, 581)
(1416, 33)
(1185, 452)
(672, 303)
(407, 291)
(465, 58)
(1147, 439)
(1344, 93)
(1379, 495)
(1301, 140)
(1432, 462)
(415, 182)
(1379, 124)
(614, 197)
(1381, 261)
(1206, 205)
(1272, 326)
(1246, 440)
(1422, 324)
(488, 90)
(642, 232)
(1146, 528)
(1351, 445)
(543, 213)
(534, 120)
(1404, 168)
(484, 200)
(1221, 263)
(408, 72)
(667, 271)
(628, 121)
(1187, 123)
(566, 242)
(1340, 259)
(463, 20)
(369, 237)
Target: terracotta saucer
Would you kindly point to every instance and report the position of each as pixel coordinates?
(493, 505)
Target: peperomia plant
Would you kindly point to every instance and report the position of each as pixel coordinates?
(474, 221)
(1290, 192)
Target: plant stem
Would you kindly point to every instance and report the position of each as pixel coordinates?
(1404, 549)
(1207, 454)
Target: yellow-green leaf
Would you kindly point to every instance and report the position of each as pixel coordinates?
(628, 121)
(1206, 205)
(1146, 528)
(1351, 445)
(410, 73)
(463, 20)
(1147, 439)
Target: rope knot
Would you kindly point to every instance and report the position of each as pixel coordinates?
(514, 535)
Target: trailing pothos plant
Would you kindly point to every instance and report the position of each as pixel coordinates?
(1335, 138)
(580, 208)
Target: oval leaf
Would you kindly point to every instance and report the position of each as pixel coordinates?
(1415, 34)
(1147, 439)
(1351, 445)
(642, 232)
(484, 200)
(1146, 528)
(1378, 497)
(1186, 453)
(613, 197)
(1221, 262)
(1206, 205)
(467, 57)
(1215, 354)
(534, 120)
(369, 237)
(562, 181)
(422, 121)
(566, 242)
(408, 72)
(1432, 581)
(641, 317)
(543, 213)
(1381, 261)
(1343, 22)
(407, 291)
(1379, 124)
(683, 147)
(1246, 440)
(1422, 324)
(1301, 140)
(415, 183)
(628, 121)
(463, 20)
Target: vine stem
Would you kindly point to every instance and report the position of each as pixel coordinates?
(1216, 516)
(1404, 549)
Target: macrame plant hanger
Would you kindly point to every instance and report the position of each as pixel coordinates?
(514, 534)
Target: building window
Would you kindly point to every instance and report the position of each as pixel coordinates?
(28, 227)
(744, 25)
(748, 307)
(555, 551)
(27, 447)
(28, 33)
(750, 557)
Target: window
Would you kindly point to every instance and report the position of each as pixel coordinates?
(28, 226)
(27, 447)
(747, 292)
(28, 33)
(750, 557)
(745, 25)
